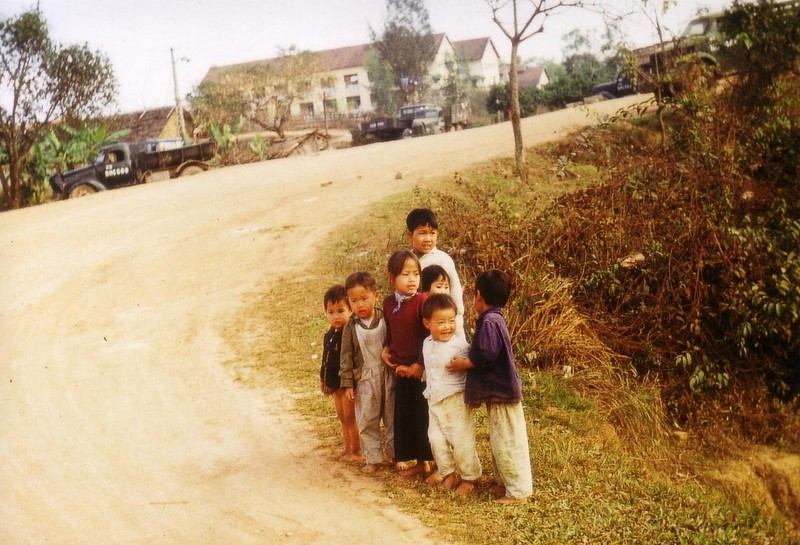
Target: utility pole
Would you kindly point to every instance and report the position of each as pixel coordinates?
(178, 109)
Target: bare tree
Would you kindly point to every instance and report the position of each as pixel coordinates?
(520, 20)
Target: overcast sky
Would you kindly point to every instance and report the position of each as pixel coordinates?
(137, 35)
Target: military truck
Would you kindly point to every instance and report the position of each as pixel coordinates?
(669, 64)
(135, 163)
(418, 120)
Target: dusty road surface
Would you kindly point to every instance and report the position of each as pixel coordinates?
(120, 424)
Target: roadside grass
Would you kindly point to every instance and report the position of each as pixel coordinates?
(594, 481)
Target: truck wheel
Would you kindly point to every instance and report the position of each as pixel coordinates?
(81, 191)
(407, 133)
(191, 170)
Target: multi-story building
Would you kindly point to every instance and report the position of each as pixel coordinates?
(343, 85)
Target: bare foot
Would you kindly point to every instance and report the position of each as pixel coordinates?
(450, 481)
(369, 468)
(434, 478)
(498, 490)
(465, 488)
(352, 458)
(413, 471)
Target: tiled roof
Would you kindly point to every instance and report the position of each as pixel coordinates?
(334, 59)
(472, 49)
(530, 76)
(143, 125)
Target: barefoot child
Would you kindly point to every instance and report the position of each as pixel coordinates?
(492, 378)
(402, 311)
(451, 429)
(362, 372)
(338, 313)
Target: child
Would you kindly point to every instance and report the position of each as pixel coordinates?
(434, 279)
(451, 430)
(402, 311)
(338, 314)
(363, 375)
(492, 379)
(423, 232)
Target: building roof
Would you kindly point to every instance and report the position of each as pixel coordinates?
(339, 58)
(530, 76)
(143, 125)
(474, 49)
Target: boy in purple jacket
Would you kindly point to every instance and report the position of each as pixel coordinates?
(492, 378)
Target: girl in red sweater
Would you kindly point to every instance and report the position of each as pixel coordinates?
(402, 312)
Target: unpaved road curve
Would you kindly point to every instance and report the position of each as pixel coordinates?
(120, 423)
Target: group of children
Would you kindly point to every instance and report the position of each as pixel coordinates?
(407, 364)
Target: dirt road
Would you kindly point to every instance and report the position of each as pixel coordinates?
(119, 422)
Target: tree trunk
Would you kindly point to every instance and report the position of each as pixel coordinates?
(516, 126)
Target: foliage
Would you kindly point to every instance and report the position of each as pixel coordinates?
(64, 148)
(407, 47)
(225, 139)
(714, 307)
(261, 93)
(383, 86)
(259, 147)
(42, 82)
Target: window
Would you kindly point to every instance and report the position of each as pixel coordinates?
(351, 79)
(353, 103)
(331, 105)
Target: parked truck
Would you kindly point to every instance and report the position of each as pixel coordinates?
(670, 64)
(127, 164)
(418, 120)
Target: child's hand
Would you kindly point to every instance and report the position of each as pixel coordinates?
(459, 364)
(325, 389)
(350, 394)
(415, 370)
(387, 359)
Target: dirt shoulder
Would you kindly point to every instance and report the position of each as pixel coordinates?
(120, 422)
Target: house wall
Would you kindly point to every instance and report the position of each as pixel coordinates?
(342, 97)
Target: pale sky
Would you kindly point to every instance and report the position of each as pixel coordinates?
(137, 35)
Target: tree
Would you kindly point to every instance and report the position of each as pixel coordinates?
(262, 93)
(382, 86)
(519, 24)
(42, 82)
(406, 46)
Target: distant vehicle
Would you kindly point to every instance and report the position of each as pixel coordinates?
(418, 120)
(620, 87)
(701, 44)
(127, 164)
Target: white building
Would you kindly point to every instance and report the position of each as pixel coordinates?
(343, 86)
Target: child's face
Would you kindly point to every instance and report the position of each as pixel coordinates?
(442, 324)
(440, 285)
(337, 313)
(407, 281)
(362, 301)
(423, 239)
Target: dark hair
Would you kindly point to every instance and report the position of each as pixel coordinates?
(495, 287)
(420, 217)
(438, 301)
(362, 278)
(431, 274)
(334, 295)
(398, 260)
